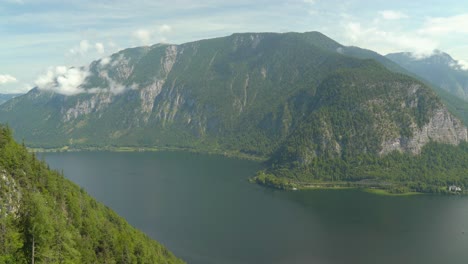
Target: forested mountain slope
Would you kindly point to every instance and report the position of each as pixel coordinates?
(44, 218)
(246, 93)
(295, 98)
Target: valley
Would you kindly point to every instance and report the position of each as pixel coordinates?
(313, 109)
(232, 132)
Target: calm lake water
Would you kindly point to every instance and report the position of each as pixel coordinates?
(203, 209)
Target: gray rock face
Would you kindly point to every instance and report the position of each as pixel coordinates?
(10, 196)
(94, 104)
(442, 128)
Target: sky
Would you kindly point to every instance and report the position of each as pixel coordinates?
(42, 36)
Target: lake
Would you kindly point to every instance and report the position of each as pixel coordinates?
(202, 208)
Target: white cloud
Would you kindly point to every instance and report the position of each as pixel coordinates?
(99, 48)
(63, 80)
(386, 41)
(6, 78)
(460, 65)
(463, 65)
(446, 25)
(392, 15)
(81, 49)
(165, 29)
(147, 36)
(84, 46)
(143, 36)
(104, 61)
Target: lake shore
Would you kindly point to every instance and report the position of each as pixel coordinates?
(368, 185)
(229, 154)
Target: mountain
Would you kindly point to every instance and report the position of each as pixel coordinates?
(6, 97)
(440, 69)
(294, 98)
(45, 218)
(227, 93)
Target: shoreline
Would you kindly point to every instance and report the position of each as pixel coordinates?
(369, 186)
(229, 154)
(376, 188)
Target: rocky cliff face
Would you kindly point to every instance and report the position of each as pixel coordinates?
(10, 195)
(250, 92)
(442, 128)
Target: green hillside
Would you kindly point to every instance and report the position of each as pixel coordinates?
(293, 98)
(47, 219)
(340, 143)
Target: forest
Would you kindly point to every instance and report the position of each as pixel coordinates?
(45, 218)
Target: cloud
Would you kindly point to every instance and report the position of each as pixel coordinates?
(84, 46)
(392, 15)
(6, 78)
(147, 36)
(165, 29)
(72, 81)
(99, 48)
(446, 25)
(81, 49)
(463, 65)
(459, 65)
(143, 36)
(104, 61)
(389, 41)
(63, 80)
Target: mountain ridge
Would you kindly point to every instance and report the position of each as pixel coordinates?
(251, 93)
(439, 68)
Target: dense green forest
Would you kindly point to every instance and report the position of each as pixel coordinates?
(45, 218)
(437, 167)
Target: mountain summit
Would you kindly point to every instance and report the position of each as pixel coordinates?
(439, 68)
(296, 97)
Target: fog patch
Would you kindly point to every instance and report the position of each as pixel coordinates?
(63, 80)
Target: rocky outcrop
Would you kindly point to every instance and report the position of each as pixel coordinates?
(10, 195)
(149, 93)
(442, 128)
(96, 103)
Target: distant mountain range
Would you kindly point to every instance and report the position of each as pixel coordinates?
(6, 97)
(440, 69)
(295, 98)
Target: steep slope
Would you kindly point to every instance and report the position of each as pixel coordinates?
(356, 133)
(297, 98)
(243, 93)
(6, 97)
(45, 218)
(454, 103)
(440, 69)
